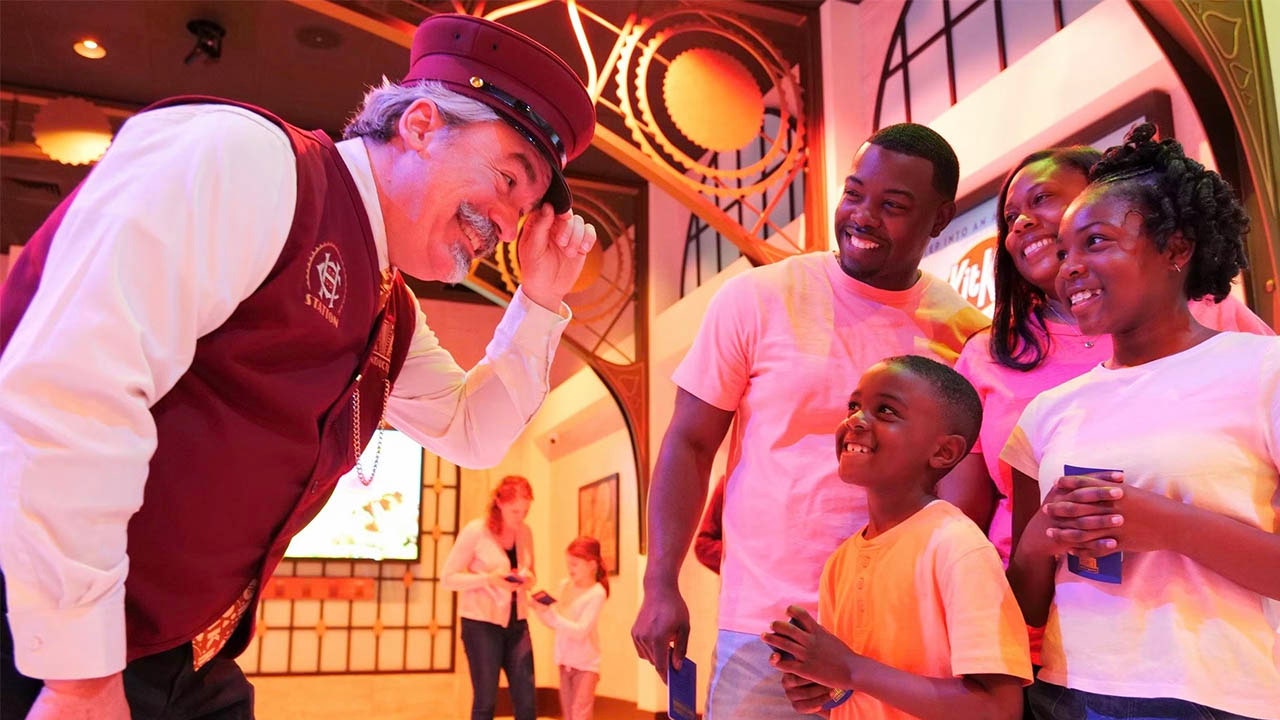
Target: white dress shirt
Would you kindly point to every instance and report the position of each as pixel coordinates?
(181, 220)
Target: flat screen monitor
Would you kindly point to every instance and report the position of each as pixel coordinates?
(377, 521)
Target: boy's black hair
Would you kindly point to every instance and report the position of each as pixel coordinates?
(922, 142)
(1179, 195)
(961, 406)
(1019, 339)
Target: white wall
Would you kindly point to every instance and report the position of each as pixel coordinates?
(1095, 65)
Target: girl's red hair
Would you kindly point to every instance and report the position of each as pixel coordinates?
(588, 548)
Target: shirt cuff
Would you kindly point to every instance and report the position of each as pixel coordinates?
(71, 643)
(532, 309)
(530, 326)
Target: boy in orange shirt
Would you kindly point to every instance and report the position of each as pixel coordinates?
(919, 620)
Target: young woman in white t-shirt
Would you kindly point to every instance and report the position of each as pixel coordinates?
(574, 615)
(1180, 429)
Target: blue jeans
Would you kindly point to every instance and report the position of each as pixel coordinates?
(491, 648)
(744, 686)
(1053, 702)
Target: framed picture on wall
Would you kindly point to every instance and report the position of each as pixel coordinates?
(598, 517)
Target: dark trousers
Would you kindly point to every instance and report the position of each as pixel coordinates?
(158, 687)
(1054, 702)
(491, 648)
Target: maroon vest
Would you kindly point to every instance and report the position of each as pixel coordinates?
(256, 433)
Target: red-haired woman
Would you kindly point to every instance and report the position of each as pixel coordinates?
(574, 615)
(491, 567)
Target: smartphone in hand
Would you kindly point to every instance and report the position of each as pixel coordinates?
(783, 653)
(682, 690)
(543, 597)
(513, 578)
(836, 696)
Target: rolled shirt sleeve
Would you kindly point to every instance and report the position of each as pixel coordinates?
(471, 417)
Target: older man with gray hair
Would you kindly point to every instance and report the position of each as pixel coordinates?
(200, 340)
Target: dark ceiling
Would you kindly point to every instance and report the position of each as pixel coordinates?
(294, 59)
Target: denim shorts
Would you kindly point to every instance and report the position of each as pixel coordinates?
(1053, 702)
(744, 686)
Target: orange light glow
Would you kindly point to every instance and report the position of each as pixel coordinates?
(90, 48)
(713, 99)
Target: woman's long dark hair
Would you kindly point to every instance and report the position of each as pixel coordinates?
(1019, 339)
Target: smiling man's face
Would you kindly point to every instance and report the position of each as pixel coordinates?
(453, 195)
(887, 214)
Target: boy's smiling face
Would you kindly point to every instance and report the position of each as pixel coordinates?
(893, 431)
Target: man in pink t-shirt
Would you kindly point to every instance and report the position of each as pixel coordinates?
(772, 342)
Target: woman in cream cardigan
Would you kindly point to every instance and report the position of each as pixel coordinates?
(491, 568)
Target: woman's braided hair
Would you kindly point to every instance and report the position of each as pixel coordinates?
(1178, 195)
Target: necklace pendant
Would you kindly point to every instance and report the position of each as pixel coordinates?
(1088, 343)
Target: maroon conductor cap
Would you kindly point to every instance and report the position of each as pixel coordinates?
(529, 87)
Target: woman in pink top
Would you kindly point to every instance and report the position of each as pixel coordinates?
(1034, 343)
(490, 567)
(574, 616)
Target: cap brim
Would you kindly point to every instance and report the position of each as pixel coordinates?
(558, 193)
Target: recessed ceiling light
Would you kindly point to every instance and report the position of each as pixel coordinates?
(317, 37)
(90, 48)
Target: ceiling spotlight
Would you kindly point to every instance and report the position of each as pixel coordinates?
(209, 36)
(89, 48)
(317, 37)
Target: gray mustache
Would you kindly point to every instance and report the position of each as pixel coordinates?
(480, 224)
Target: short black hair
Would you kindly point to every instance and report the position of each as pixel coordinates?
(922, 142)
(1019, 339)
(1179, 195)
(961, 406)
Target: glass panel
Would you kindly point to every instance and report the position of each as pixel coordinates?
(363, 612)
(276, 613)
(1072, 9)
(306, 612)
(275, 648)
(305, 651)
(443, 656)
(391, 650)
(892, 106)
(420, 604)
(930, 88)
(362, 649)
(393, 605)
(924, 18)
(449, 509)
(977, 54)
(429, 500)
(333, 651)
(1027, 23)
(418, 644)
(335, 613)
